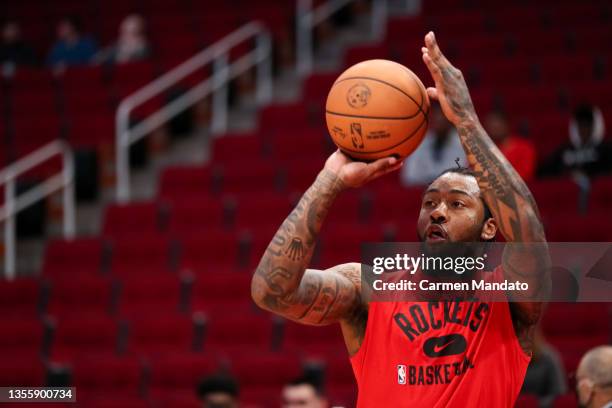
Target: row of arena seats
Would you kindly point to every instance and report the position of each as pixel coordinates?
(177, 30)
(170, 380)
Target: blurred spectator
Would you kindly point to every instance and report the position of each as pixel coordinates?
(439, 150)
(132, 44)
(303, 392)
(71, 47)
(520, 152)
(13, 50)
(545, 377)
(218, 392)
(586, 152)
(594, 378)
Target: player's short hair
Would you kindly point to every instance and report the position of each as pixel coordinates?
(466, 171)
(217, 383)
(583, 115)
(311, 380)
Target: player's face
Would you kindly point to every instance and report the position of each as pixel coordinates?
(452, 211)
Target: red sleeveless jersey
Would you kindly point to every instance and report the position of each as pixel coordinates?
(439, 354)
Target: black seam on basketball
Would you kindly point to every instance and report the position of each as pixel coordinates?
(374, 117)
(425, 120)
(386, 83)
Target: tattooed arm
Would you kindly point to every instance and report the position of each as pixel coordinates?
(525, 258)
(283, 285)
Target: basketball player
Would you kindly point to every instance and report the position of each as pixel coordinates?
(420, 354)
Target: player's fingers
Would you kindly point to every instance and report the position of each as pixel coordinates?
(434, 49)
(433, 68)
(381, 164)
(432, 93)
(387, 170)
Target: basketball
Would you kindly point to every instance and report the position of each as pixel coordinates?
(377, 108)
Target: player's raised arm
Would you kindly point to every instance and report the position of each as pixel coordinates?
(503, 190)
(281, 283)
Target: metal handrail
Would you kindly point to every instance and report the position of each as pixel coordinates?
(12, 204)
(223, 72)
(307, 18)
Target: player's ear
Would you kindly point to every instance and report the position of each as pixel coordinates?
(585, 391)
(489, 229)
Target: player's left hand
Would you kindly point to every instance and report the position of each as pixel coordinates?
(451, 90)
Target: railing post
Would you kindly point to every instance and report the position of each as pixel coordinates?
(379, 18)
(219, 99)
(303, 37)
(122, 144)
(9, 229)
(69, 197)
(264, 69)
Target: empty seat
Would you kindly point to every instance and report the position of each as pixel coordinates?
(134, 218)
(150, 294)
(314, 341)
(20, 298)
(221, 292)
(174, 376)
(21, 335)
(105, 377)
(198, 213)
(73, 257)
(179, 180)
(22, 369)
(142, 255)
(248, 332)
(85, 335)
(160, 332)
(231, 148)
(279, 369)
(80, 294)
(210, 253)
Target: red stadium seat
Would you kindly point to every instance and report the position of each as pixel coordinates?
(526, 401)
(284, 117)
(319, 341)
(566, 401)
(175, 375)
(106, 378)
(203, 253)
(21, 335)
(232, 148)
(179, 180)
(80, 294)
(279, 369)
(20, 298)
(248, 332)
(22, 369)
(150, 293)
(84, 335)
(199, 213)
(68, 258)
(161, 332)
(134, 218)
(141, 255)
(224, 292)
(601, 194)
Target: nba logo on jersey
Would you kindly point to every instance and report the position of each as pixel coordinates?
(401, 374)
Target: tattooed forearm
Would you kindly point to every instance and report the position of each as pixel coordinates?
(281, 282)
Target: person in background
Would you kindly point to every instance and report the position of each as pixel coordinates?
(586, 153)
(303, 392)
(131, 45)
(594, 378)
(545, 376)
(71, 47)
(439, 150)
(13, 50)
(520, 152)
(218, 392)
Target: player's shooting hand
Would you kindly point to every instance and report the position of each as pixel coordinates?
(451, 90)
(354, 173)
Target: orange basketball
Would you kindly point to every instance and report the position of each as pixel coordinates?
(377, 108)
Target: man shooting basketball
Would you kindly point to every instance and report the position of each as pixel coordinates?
(395, 366)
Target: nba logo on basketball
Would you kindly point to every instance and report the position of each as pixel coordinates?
(401, 374)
